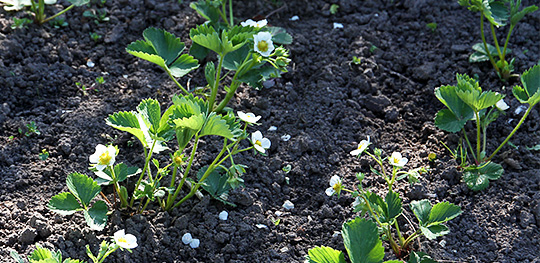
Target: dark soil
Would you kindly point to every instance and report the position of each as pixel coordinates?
(325, 103)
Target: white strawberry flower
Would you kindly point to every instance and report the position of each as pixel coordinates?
(501, 105)
(248, 117)
(103, 157)
(362, 146)
(335, 186)
(124, 240)
(263, 43)
(397, 160)
(259, 142)
(258, 24)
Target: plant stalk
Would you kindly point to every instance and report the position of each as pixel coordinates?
(507, 39)
(186, 92)
(478, 141)
(210, 168)
(58, 14)
(170, 199)
(148, 157)
(512, 133)
(485, 43)
(216, 84)
(468, 143)
(501, 57)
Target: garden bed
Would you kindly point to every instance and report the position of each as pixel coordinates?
(325, 103)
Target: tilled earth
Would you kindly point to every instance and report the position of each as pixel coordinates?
(325, 103)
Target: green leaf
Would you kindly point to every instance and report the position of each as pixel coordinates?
(448, 96)
(531, 86)
(517, 16)
(361, 239)
(82, 187)
(480, 54)
(433, 231)
(150, 111)
(235, 59)
(421, 210)
(165, 44)
(477, 177)
(394, 208)
(499, 13)
(79, 2)
(280, 36)
(443, 212)
(325, 255)
(198, 51)
(420, 257)
(210, 72)
(164, 49)
(96, 217)
(206, 9)
(215, 125)
(127, 121)
(216, 183)
(69, 260)
(121, 171)
(447, 121)
(41, 253)
(64, 204)
(207, 37)
(183, 65)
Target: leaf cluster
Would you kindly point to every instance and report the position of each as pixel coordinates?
(43, 255)
(82, 190)
(467, 102)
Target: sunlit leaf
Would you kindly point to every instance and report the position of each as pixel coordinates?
(361, 239)
(82, 187)
(325, 255)
(477, 177)
(64, 204)
(96, 216)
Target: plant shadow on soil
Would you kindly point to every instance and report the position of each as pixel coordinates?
(325, 103)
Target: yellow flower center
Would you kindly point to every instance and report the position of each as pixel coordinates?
(122, 240)
(105, 158)
(178, 160)
(258, 143)
(336, 187)
(262, 46)
(395, 160)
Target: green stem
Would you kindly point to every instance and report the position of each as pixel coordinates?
(401, 239)
(393, 243)
(205, 175)
(216, 84)
(108, 253)
(232, 90)
(478, 131)
(411, 238)
(501, 57)
(177, 83)
(123, 202)
(148, 157)
(507, 39)
(58, 14)
(170, 199)
(468, 143)
(380, 164)
(231, 13)
(394, 173)
(485, 43)
(512, 133)
(173, 179)
(40, 17)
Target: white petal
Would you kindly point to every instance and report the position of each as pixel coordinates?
(194, 243)
(265, 143)
(259, 148)
(262, 23)
(100, 167)
(256, 136)
(356, 152)
(118, 234)
(334, 180)
(248, 22)
(356, 201)
(50, 2)
(501, 105)
(186, 238)
(329, 191)
(263, 36)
